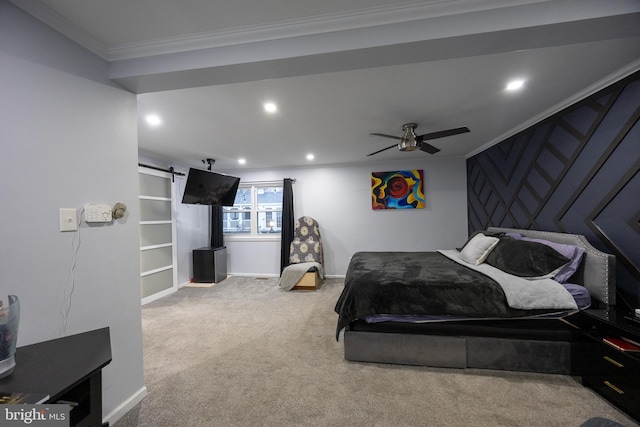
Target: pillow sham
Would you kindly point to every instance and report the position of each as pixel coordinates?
(525, 259)
(476, 250)
(486, 233)
(574, 253)
(580, 294)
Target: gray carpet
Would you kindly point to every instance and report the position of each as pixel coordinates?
(245, 353)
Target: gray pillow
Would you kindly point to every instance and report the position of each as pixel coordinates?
(525, 259)
(574, 253)
(478, 248)
(486, 233)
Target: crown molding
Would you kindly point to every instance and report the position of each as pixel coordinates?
(397, 13)
(575, 98)
(406, 11)
(61, 24)
(320, 24)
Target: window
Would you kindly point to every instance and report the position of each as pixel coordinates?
(256, 211)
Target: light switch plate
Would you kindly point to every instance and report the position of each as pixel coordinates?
(68, 219)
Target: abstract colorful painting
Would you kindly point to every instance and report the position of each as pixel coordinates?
(397, 190)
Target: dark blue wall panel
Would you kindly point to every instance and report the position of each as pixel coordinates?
(575, 172)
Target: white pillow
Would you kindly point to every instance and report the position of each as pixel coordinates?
(478, 248)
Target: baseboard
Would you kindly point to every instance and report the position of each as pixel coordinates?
(125, 406)
(254, 275)
(158, 295)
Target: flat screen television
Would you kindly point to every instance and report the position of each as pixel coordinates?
(210, 188)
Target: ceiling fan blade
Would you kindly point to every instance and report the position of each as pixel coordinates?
(442, 134)
(384, 149)
(428, 148)
(386, 136)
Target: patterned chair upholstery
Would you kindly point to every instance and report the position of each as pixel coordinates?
(306, 245)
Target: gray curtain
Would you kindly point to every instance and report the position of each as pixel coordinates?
(288, 220)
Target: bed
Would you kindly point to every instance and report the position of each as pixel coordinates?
(464, 316)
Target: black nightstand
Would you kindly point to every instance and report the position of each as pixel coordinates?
(612, 373)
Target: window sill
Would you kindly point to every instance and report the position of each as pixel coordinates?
(231, 238)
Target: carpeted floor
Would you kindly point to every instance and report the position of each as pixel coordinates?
(245, 353)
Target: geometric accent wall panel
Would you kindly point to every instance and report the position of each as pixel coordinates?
(577, 171)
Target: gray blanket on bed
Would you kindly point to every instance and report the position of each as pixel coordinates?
(524, 293)
(419, 283)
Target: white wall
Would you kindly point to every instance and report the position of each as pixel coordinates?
(68, 136)
(192, 222)
(339, 198)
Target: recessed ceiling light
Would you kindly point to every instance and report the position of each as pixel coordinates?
(242, 161)
(153, 120)
(310, 156)
(270, 107)
(515, 85)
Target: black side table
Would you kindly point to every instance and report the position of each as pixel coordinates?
(67, 369)
(610, 372)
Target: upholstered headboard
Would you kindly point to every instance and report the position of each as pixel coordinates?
(597, 271)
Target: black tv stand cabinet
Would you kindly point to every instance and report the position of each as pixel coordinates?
(209, 264)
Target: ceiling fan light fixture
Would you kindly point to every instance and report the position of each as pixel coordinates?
(409, 139)
(407, 145)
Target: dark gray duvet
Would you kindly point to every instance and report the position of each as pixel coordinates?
(418, 283)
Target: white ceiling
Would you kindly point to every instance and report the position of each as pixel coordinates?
(339, 70)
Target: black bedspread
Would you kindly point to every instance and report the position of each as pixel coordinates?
(423, 283)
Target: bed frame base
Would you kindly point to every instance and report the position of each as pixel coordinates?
(427, 350)
(552, 357)
(513, 346)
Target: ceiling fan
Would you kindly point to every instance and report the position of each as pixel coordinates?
(410, 141)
